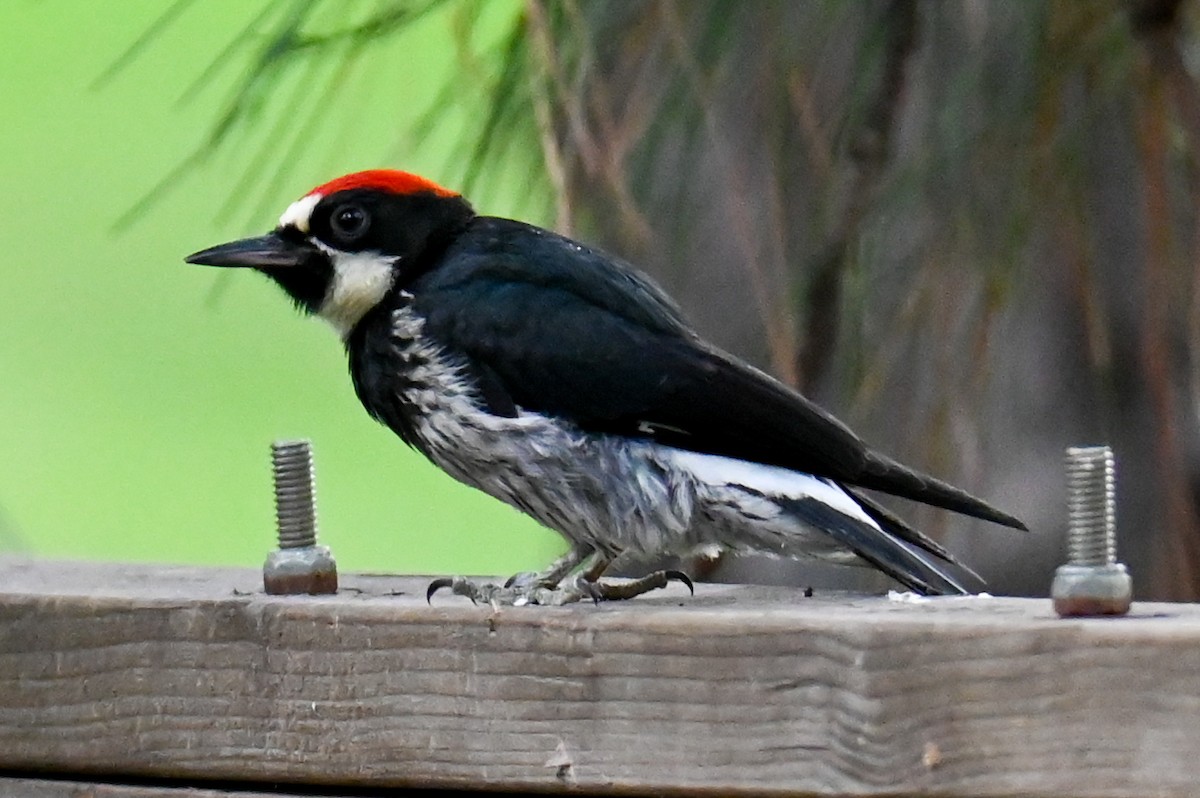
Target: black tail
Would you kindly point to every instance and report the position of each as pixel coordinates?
(894, 525)
(883, 474)
(882, 549)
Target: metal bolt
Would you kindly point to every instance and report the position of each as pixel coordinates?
(1092, 582)
(299, 565)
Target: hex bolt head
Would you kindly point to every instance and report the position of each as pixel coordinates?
(299, 565)
(1082, 590)
(305, 570)
(1092, 582)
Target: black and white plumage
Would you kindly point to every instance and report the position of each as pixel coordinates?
(562, 381)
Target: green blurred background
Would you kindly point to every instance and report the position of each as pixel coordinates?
(970, 230)
(139, 395)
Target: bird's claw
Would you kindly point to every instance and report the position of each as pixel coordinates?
(680, 576)
(619, 591)
(528, 588)
(457, 584)
(515, 592)
(526, 580)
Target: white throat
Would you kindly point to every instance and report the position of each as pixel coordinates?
(360, 282)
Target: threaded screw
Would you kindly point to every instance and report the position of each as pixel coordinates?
(299, 565)
(1092, 582)
(1091, 506)
(295, 494)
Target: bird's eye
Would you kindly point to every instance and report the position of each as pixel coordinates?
(349, 222)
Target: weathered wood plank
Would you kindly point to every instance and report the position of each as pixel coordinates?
(175, 672)
(55, 788)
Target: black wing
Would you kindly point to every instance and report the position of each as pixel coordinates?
(569, 332)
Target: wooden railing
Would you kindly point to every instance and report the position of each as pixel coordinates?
(160, 680)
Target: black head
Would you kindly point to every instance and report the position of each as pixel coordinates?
(342, 247)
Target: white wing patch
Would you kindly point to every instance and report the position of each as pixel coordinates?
(299, 212)
(769, 480)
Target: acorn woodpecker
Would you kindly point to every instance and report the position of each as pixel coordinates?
(562, 381)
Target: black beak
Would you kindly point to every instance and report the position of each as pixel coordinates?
(269, 251)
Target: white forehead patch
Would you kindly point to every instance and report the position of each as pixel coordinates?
(298, 213)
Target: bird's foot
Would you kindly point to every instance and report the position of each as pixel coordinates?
(529, 588)
(599, 591)
(515, 592)
(526, 587)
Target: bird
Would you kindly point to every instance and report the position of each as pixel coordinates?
(564, 382)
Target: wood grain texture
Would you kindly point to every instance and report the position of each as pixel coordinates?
(169, 672)
(54, 788)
